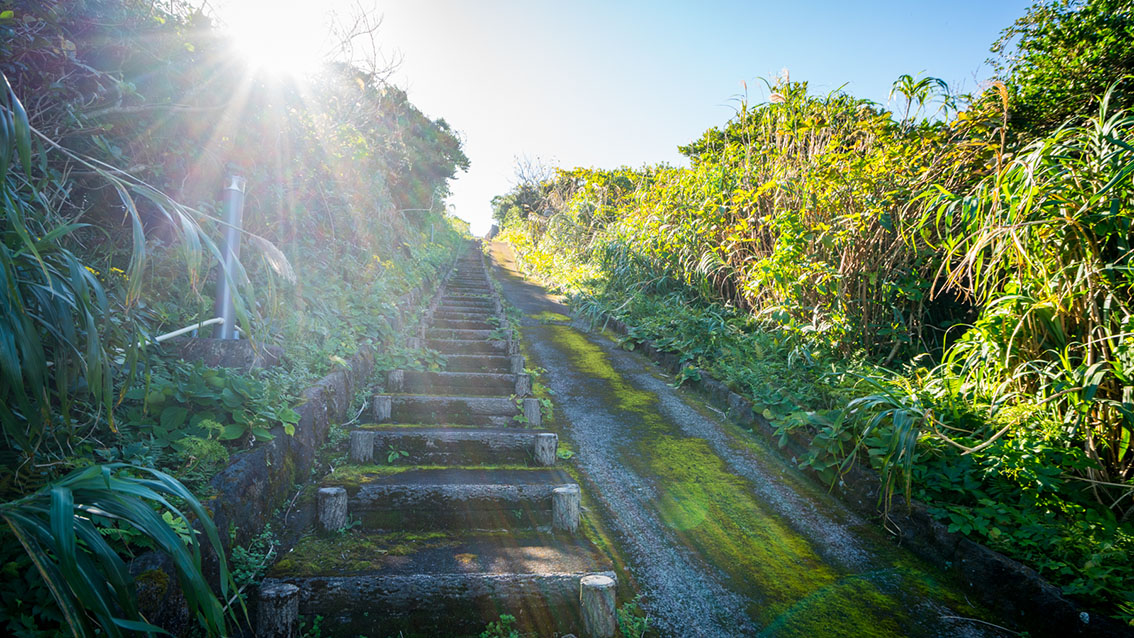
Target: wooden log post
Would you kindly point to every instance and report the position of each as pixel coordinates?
(414, 343)
(277, 615)
(596, 597)
(546, 445)
(383, 407)
(361, 446)
(395, 381)
(523, 384)
(565, 508)
(518, 364)
(332, 508)
(532, 412)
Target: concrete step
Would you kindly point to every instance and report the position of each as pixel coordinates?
(461, 324)
(458, 383)
(478, 363)
(448, 498)
(418, 586)
(454, 446)
(466, 306)
(460, 333)
(488, 411)
(463, 314)
(468, 346)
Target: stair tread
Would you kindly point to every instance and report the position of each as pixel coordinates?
(377, 553)
(458, 477)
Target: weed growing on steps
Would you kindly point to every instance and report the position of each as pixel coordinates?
(251, 561)
(502, 628)
(633, 622)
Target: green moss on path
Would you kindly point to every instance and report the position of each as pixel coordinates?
(791, 589)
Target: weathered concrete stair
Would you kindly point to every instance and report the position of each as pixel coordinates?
(481, 524)
(454, 446)
(454, 499)
(478, 363)
(468, 346)
(446, 586)
(466, 383)
(491, 411)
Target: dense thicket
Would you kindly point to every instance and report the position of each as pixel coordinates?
(977, 246)
(120, 120)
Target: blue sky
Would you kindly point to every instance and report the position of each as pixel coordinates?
(605, 84)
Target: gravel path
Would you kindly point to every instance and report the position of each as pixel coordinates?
(687, 590)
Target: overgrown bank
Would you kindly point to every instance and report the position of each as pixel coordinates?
(945, 296)
(120, 120)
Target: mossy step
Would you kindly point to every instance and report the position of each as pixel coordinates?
(478, 363)
(475, 286)
(492, 411)
(463, 315)
(439, 585)
(467, 306)
(485, 295)
(449, 498)
(443, 323)
(468, 346)
(458, 333)
(480, 311)
(446, 446)
(458, 383)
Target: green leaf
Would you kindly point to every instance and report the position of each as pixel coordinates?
(174, 417)
(232, 432)
(262, 434)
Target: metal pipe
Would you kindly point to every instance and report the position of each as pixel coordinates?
(189, 328)
(234, 218)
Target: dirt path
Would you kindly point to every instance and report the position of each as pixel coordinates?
(721, 536)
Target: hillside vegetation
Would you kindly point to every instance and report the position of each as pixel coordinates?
(941, 290)
(119, 122)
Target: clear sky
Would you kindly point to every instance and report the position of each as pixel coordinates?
(605, 84)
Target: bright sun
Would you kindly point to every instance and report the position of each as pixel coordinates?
(282, 36)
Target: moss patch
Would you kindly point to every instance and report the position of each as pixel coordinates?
(354, 476)
(548, 317)
(354, 552)
(713, 510)
(590, 359)
(853, 606)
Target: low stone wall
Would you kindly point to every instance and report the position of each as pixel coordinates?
(258, 481)
(1000, 583)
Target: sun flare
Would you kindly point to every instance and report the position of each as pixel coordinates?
(282, 36)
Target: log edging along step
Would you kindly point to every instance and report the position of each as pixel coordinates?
(257, 481)
(998, 581)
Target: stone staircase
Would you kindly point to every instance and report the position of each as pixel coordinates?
(451, 511)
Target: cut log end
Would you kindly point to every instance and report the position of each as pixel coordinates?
(332, 508)
(278, 613)
(546, 447)
(565, 508)
(383, 406)
(596, 598)
(532, 413)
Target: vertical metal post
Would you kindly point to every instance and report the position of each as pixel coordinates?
(234, 218)
(431, 233)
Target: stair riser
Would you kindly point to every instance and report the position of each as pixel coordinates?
(478, 363)
(481, 310)
(493, 412)
(446, 448)
(464, 335)
(453, 346)
(461, 324)
(462, 315)
(457, 383)
(427, 606)
(458, 520)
